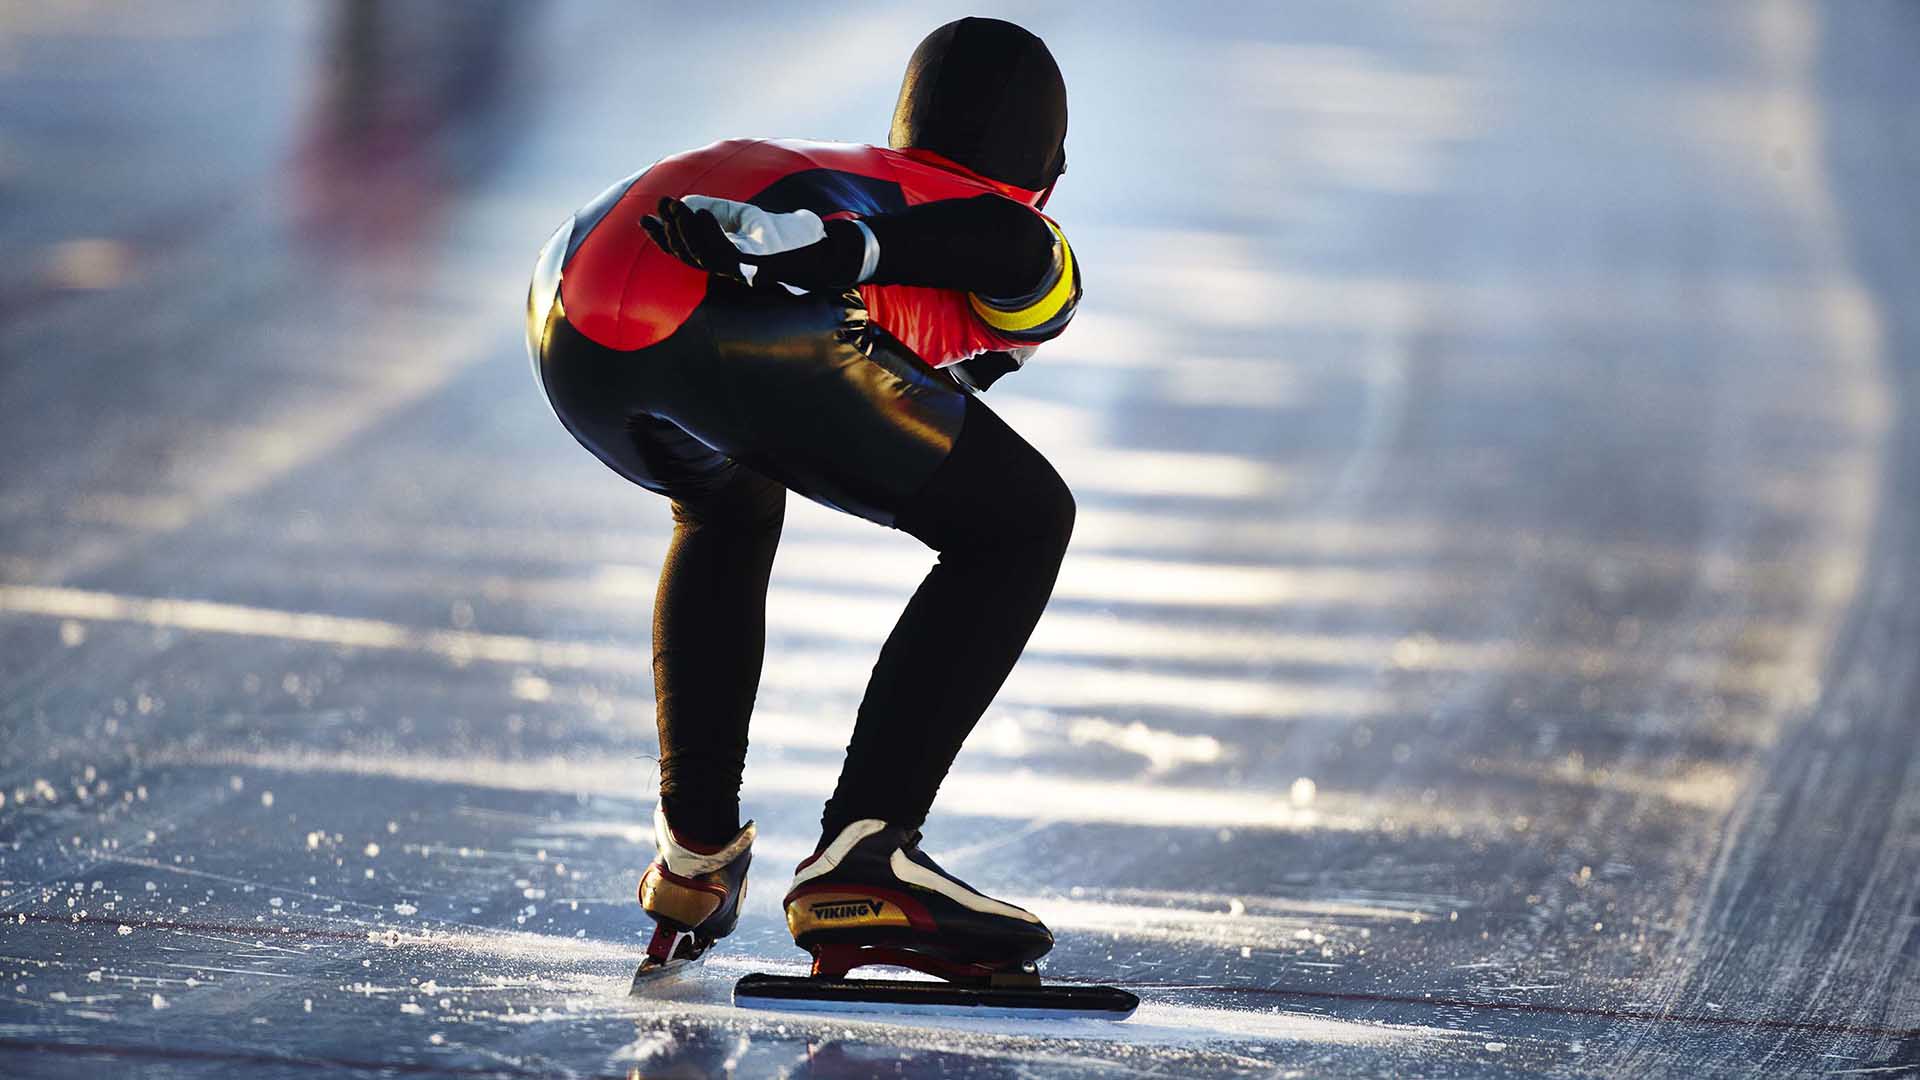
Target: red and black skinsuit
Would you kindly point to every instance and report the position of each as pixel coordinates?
(721, 396)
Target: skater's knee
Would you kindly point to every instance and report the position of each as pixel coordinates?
(1052, 515)
(1028, 521)
(996, 495)
(1035, 510)
(1030, 530)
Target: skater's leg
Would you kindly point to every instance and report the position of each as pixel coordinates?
(709, 637)
(1000, 517)
(814, 397)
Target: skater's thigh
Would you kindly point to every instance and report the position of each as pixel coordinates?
(802, 391)
(818, 400)
(993, 491)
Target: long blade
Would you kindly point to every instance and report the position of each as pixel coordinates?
(891, 996)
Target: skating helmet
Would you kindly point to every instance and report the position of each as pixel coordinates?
(986, 94)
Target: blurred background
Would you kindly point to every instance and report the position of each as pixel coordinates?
(1489, 645)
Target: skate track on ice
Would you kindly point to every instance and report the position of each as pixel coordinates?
(1489, 646)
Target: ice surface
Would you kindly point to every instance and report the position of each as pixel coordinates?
(1488, 646)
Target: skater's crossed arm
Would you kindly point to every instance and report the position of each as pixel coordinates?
(1016, 265)
(985, 245)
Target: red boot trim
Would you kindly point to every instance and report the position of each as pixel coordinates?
(717, 888)
(665, 943)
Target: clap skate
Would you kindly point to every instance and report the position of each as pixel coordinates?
(694, 897)
(872, 898)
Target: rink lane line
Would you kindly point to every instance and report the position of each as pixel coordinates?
(220, 618)
(1251, 993)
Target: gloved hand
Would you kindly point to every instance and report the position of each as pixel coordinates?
(744, 243)
(695, 238)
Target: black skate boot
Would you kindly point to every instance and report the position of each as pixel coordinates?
(871, 897)
(694, 896)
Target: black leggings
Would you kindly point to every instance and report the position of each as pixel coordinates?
(849, 418)
(1000, 518)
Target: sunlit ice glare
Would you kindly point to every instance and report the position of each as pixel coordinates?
(1042, 680)
(1016, 795)
(1115, 579)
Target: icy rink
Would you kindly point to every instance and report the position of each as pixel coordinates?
(1490, 645)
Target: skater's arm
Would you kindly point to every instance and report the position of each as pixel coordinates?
(1016, 267)
(985, 245)
(1010, 258)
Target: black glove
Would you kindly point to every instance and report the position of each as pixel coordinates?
(697, 238)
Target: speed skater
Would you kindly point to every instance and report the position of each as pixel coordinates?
(765, 315)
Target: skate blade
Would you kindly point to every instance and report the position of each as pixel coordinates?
(655, 976)
(895, 996)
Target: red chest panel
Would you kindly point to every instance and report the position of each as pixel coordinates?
(622, 291)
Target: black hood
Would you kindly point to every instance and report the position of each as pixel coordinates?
(986, 94)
